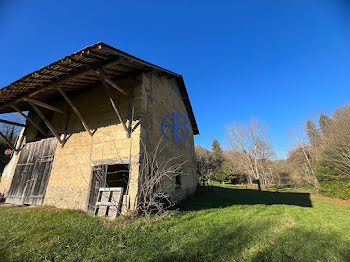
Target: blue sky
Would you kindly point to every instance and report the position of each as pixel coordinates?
(280, 61)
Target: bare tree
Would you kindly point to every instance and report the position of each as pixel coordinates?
(251, 140)
(204, 164)
(302, 144)
(337, 142)
(155, 179)
(11, 132)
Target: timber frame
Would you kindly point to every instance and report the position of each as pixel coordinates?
(91, 66)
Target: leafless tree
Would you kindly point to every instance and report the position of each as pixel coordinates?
(11, 132)
(252, 141)
(204, 164)
(155, 180)
(337, 142)
(302, 144)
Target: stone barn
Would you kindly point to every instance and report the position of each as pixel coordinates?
(91, 117)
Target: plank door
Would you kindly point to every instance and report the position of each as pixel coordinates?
(32, 173)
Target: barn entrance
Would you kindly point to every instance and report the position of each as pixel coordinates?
(107, 187)
(32, 173)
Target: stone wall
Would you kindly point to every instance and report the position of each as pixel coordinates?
(70, 177)
(162, 97)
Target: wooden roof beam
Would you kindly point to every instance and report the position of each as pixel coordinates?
(53, 108)
(81, 73)
(48, 124)
(79, 115)
(11, 123)
(114, 103)
(110, 81)
(94, 54)
(72, 59)
(35, 125)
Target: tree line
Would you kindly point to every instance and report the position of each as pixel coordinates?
(320, 156)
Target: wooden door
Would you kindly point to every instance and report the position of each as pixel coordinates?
(32, 173)
(98, 180)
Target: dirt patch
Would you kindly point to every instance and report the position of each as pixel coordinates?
(48, 208)
(334, 200)
(2, 204)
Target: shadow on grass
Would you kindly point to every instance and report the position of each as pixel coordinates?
(301, 244)
(218, 243)
(248, 242)
(216, 197)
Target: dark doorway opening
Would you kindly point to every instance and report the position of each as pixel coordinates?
(104, 177)
(117, 176)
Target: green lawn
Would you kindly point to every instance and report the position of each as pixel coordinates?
(223, 224)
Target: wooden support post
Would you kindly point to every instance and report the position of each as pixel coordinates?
(7, 141)
(19, 142)
(11, 123)
(48, 124)
(113, 102)
(110, 81)
(30, 120)
(130, 112)
(53, 108)
(79, 115)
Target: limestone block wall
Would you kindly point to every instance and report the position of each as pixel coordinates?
(70, 176)
(162, 97)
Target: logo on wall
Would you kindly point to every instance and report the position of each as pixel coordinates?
(176, 122)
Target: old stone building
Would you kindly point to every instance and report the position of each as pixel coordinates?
(91, 117)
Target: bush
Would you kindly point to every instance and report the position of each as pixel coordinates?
(330, 184)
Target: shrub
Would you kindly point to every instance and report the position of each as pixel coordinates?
(330, 184)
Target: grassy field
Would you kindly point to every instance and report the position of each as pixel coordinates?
(227, 223)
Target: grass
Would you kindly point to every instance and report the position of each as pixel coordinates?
(223, 224)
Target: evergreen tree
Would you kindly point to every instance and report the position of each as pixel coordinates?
(313, 133)
(324, 123)
(218, 159)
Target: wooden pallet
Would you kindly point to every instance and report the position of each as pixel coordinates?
(109, 202)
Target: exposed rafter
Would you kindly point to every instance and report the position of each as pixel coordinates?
(79, 115)
(113, 102)
(59, 83)
(53, 108)
(110, 81)
(35, 125)
(11, 123)
(48, 124)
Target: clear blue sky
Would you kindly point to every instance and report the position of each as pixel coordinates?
(280, 61)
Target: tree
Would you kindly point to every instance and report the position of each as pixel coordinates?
(336, 151)
(153, 195)
(302, 144)
(218, 159)
(11, 133)
(251, 141)
(313, 133)
(204, 164)
(324, 123)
